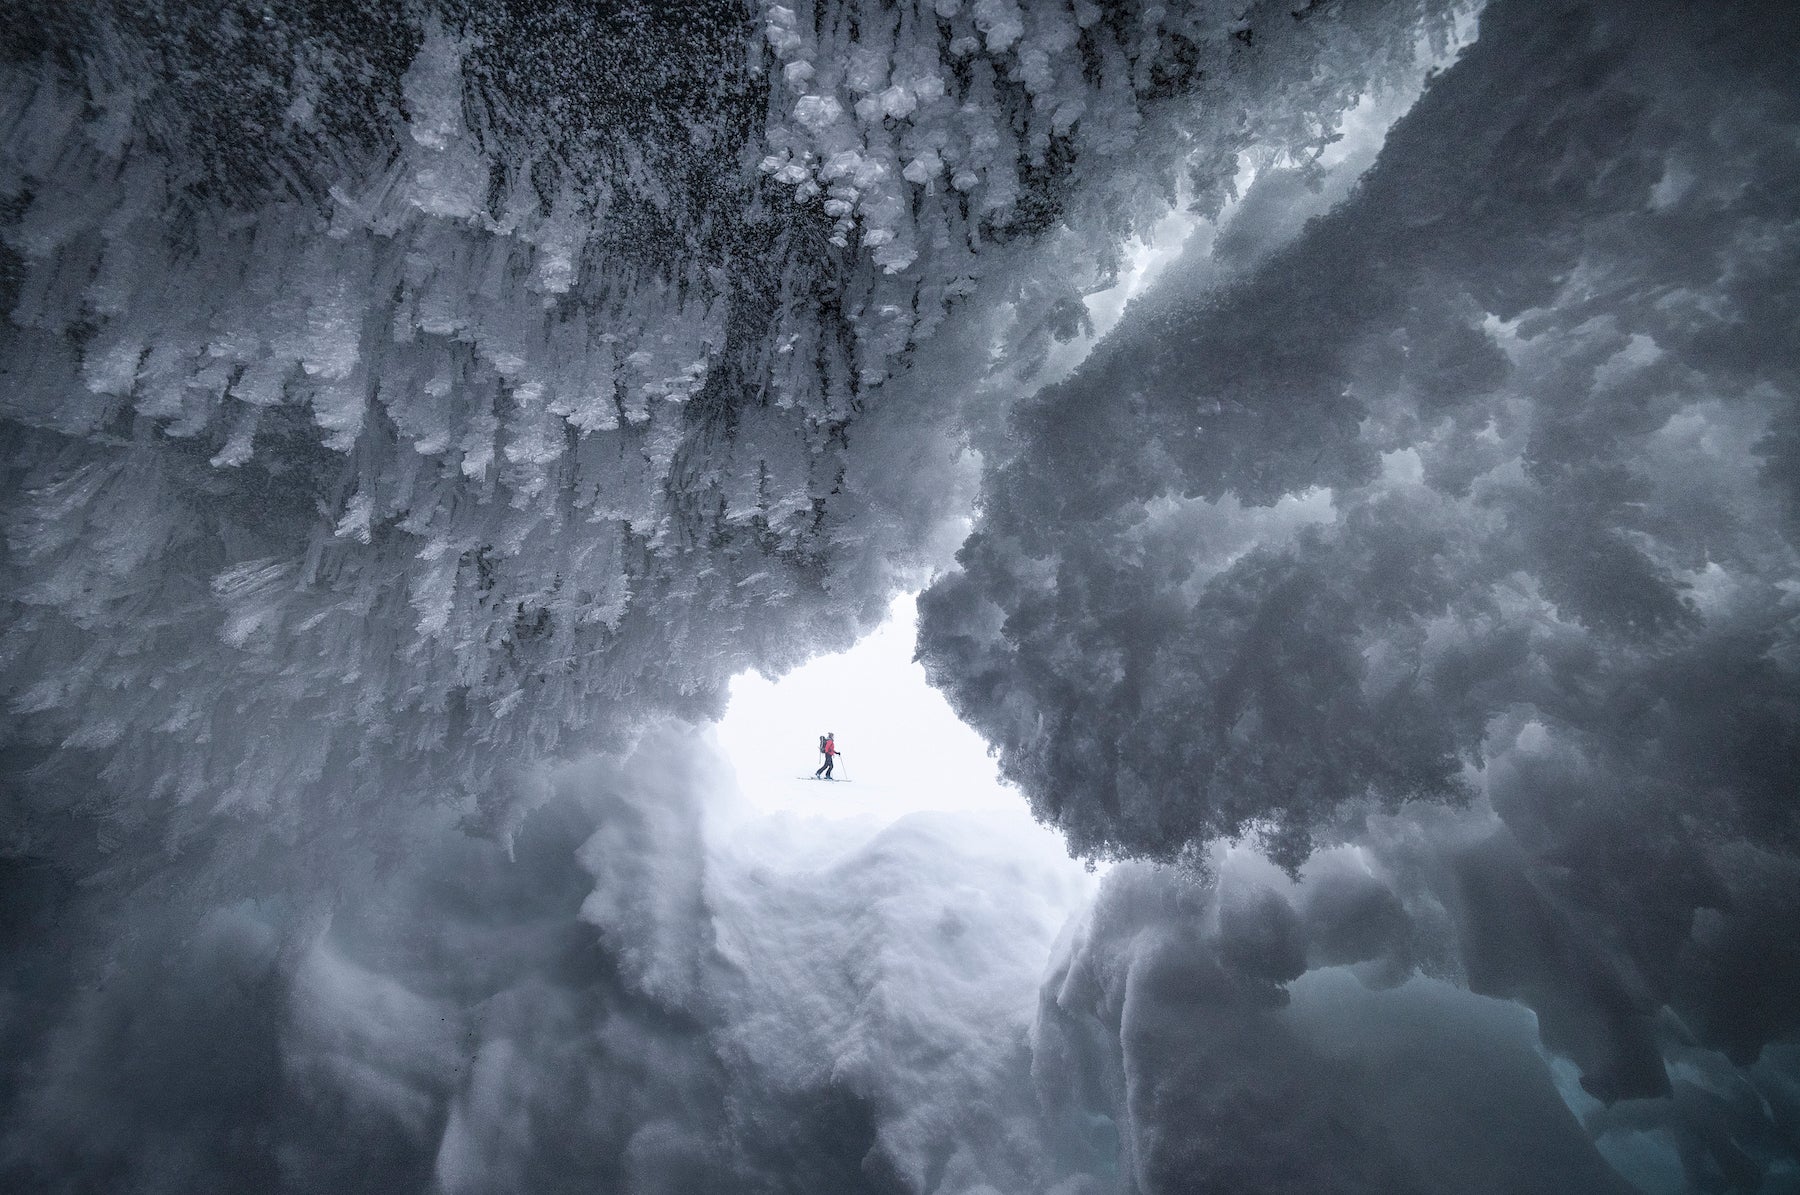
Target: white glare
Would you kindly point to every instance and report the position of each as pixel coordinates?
(904, 751)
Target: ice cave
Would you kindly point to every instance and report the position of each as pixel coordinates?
(1288, 510)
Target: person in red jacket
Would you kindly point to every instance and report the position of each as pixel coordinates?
(828, 748)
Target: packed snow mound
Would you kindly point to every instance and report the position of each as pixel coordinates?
(628, 999)
(645, 998)
(1229, 1035)
(396, 402)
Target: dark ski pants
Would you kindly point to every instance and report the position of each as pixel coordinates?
(825, 767)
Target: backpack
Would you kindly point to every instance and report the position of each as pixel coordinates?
(821, 744)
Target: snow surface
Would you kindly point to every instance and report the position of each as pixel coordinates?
(899, 743)
(1347, 453)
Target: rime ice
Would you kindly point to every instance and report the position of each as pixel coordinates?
(412, 416)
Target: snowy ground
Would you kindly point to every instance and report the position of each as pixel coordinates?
(903, 749)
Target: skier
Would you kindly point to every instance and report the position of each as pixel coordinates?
(827, 748)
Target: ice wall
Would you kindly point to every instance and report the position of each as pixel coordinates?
(392, 405)
(1476, 495)
(398, 399)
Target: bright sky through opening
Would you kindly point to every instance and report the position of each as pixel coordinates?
(903, 748)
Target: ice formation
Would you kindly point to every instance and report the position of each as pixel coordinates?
(398, 403)
(487, 385)
(1478, 493)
